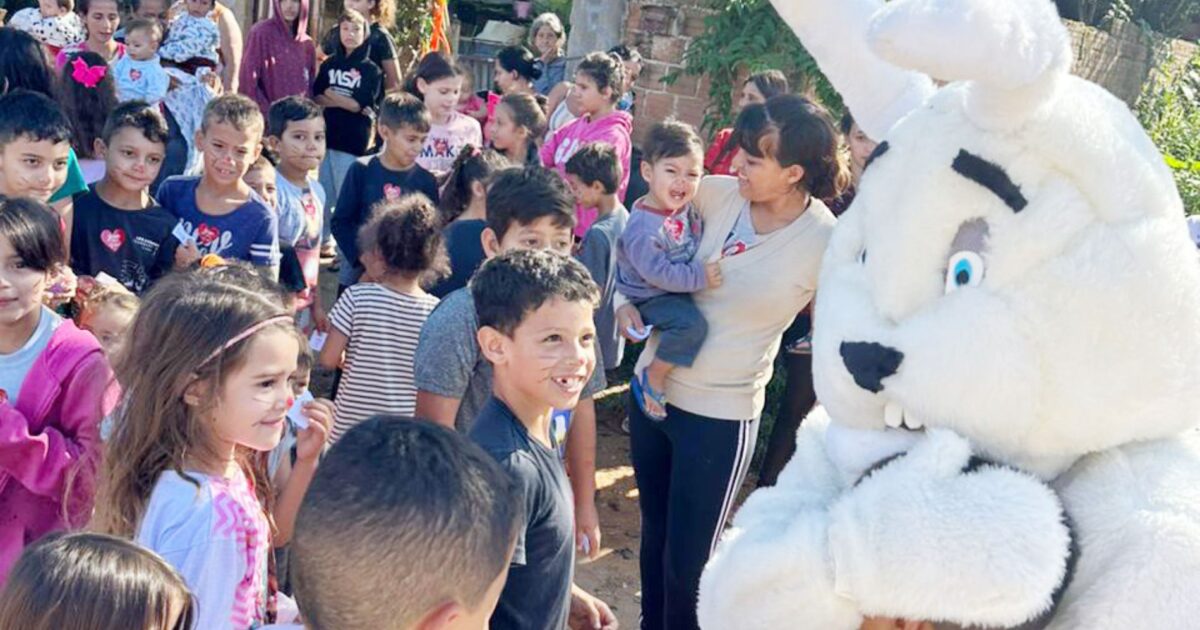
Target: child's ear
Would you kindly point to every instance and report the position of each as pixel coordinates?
(493, 344)
(441, 617)
(195, 393)
(422, 85)
(491, 243)
(478, 190)
(272, 143)
(647, 170)
(100, 149)
(198, 141)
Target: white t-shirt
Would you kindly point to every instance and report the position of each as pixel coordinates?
(217, 537)
(446, 141)
(14, 367)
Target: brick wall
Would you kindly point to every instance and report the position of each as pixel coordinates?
(1121, 61)
(661, 30)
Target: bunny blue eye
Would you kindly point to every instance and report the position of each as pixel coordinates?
(965, 269)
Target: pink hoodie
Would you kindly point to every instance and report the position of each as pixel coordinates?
(612, 128)
(278, 62)
(50, 441)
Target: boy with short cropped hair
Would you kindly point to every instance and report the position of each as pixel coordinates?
(526, 209)
(350, 86)
(423, 542)
(535, 328)
(296, 135)
(390, 174)
(119, 229)
(35, 145)
(218, 212)
(594, 175)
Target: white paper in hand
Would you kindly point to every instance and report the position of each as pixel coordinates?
(640, 335)
(296, 413)
(316, 341)
(181, 234)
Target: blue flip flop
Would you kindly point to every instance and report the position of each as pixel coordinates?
(641, 388)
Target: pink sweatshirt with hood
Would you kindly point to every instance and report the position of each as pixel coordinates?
(50, 441)
(611, 128)
(277, 62)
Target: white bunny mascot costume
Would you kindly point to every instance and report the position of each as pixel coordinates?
(1016, 277)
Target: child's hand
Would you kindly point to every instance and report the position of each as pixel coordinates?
(186, 255)
(60, 288)
(629, 319)
(311, 440)
(320, 318)
(712, 271)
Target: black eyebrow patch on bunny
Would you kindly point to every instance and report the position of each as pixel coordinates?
(992, 177)
(879, 150)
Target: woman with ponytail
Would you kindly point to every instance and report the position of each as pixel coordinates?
(768, 229)
(463, 206)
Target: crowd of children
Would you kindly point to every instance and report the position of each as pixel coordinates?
(159, 323)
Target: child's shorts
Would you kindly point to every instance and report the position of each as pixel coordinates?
(682, 329)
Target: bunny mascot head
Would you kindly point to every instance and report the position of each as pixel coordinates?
(1014, 297)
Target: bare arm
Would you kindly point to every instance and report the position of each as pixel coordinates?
(437, 409)
(333, 350)
(231, 49)
(391, 75)
(581, 465)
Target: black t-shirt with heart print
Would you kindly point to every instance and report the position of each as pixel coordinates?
(133, 246)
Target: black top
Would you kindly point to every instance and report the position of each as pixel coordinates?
(537, 595)
(366, 183)
(133, 246)
(381, 44)
(464, 244)
(359, 78)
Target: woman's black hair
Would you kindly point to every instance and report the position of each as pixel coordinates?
(770, 83)
(88, 107)
(793, 130)
(31, 227)
(528, 112)
(518, 59)
(847, 123)
(472, 165)
(433, 67)
(606, 71)
(23, 64)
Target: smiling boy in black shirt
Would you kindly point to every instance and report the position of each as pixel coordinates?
(118, 228)
(535, 327)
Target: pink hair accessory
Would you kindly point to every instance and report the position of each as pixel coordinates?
(278, 319)
(88, 76)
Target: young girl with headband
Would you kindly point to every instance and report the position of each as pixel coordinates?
(207, 389)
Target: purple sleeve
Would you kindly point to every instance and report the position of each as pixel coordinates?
(648, 257)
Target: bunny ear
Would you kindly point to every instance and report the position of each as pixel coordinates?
(1013, 52)
(834, 32)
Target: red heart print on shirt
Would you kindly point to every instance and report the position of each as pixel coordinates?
(135, 74)
(113, 239)
(674, 229)
(206, 235)
(392, 192)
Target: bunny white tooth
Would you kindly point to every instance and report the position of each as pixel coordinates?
(893, 415)
(911, 421)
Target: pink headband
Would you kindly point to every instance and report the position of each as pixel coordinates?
(278, 319)
(85, 75)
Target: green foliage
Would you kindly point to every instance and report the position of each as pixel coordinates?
(1169, 109)
(414, 24)
(745, 36)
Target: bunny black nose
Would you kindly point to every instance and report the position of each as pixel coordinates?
(870, 363)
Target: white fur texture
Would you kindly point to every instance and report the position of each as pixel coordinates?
(1073, 356)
